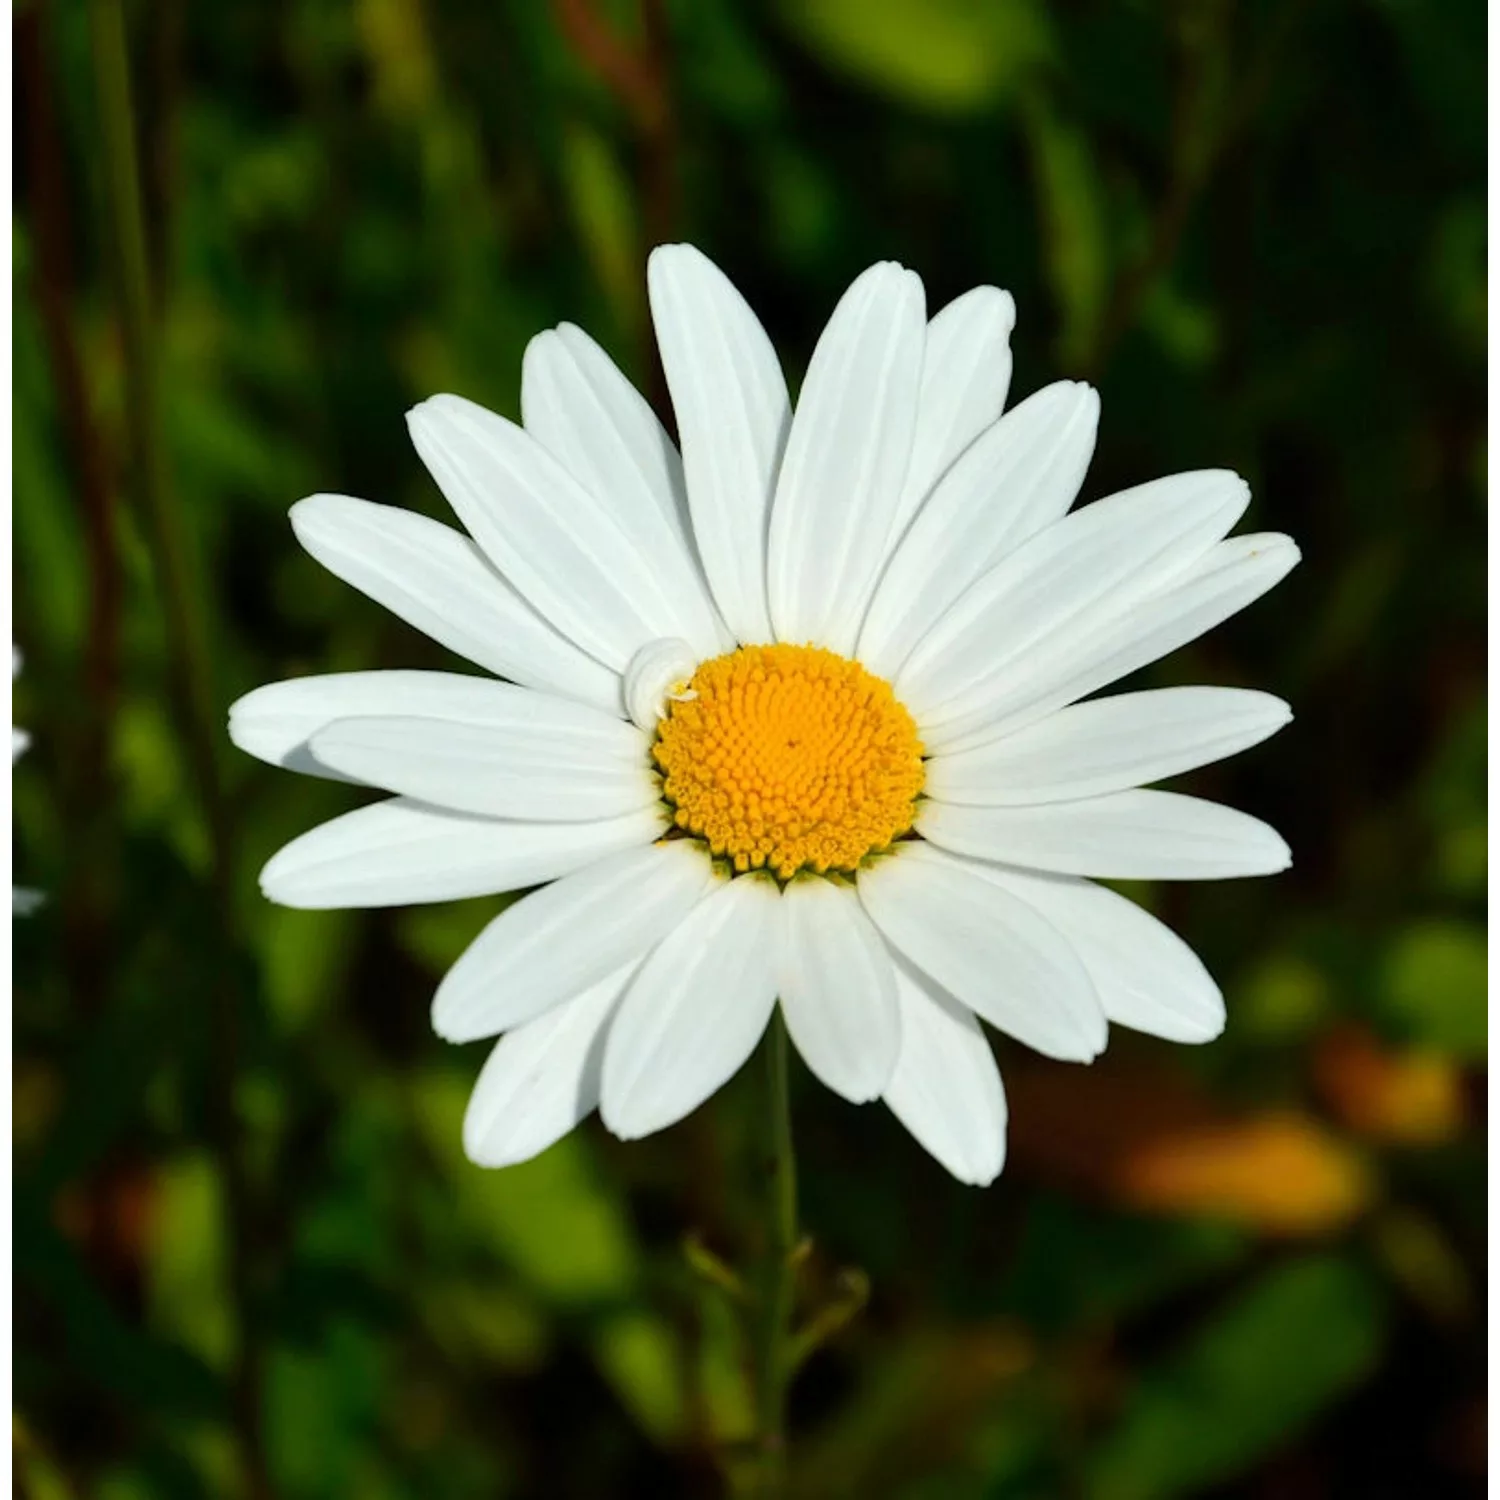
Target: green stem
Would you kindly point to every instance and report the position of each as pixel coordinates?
(183, 600)
(774, 1335)
(181, 592)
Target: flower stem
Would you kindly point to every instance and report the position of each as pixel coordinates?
(774, 1335)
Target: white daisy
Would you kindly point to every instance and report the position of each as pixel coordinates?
(794, 717)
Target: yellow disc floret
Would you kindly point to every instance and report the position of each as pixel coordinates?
(789, 758)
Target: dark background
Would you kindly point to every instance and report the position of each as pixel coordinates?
(249, 1256)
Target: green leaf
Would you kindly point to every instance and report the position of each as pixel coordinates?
(723, 1369)
(551, 1217)
(603, 203)
(1071, 205)
(47, 535)
(638, 1355)
(323, 1404)
(106, 1351)
(495, 1325)
(1079, 1267)
(1434, 985)
(305, 961)
(945, 55)
(1186, 329)
(1284, 997)
(1245, 1383)
(188, 1286)
(1452, 798)
(564, 1232)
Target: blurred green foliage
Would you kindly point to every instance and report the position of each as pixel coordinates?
(249, 1256)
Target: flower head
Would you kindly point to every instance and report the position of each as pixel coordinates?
(792, 717)
(788, 758)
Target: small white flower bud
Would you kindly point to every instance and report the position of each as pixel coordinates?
(658, 671)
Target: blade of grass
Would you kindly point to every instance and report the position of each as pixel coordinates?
(183, 599)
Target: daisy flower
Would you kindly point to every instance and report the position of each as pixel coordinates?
(792, 717)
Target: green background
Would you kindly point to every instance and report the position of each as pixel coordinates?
(249, 1256)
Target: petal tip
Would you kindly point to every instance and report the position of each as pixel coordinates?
(476, 1151)
(308, 508)
(1279, 545)
(981, 1176)
(324, 520)
(280, 881)
(273, 887)
(442, 1017)
(675, 259)
(442, 406)
(621, 1129)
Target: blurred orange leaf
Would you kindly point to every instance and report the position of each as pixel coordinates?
(1281, 1172)
(1406, 1096)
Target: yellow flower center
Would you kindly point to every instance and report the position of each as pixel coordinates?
(789, 758)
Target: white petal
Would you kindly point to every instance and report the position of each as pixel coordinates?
(579, 406)
(1122, 836)
(1108, 745)
(19, 740)
(946, 1088)
(1019, 476)
(694, 1011)
(838, 988)
(1114, 639)
(535, 758)
(562, 548)
(990, 951)
(437, 580)
(568, 935)
(541, 1079)
(399, 853)
(1146, 976)
(730, 399)
(1106, 555)
(846, 461)
(276, 723)
(965, 378)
